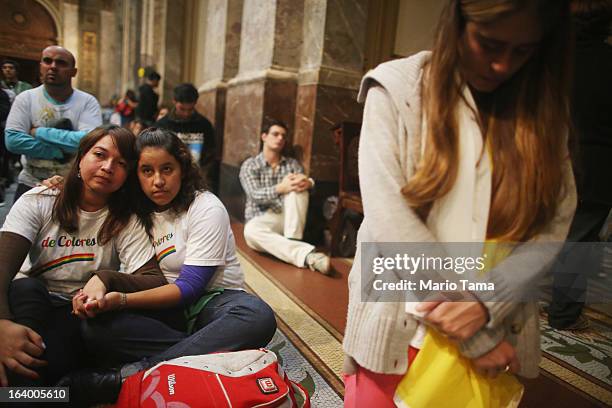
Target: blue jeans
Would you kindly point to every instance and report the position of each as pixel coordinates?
(232, 320)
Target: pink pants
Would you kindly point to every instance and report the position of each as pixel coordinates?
(366, 389)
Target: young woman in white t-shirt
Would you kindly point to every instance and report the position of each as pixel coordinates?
(195, 248)
(66, 235)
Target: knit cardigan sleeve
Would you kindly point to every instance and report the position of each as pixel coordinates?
(378, 333)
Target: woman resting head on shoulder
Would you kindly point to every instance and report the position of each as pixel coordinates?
(166, 175)
(194, 244)
(96, 179)
(189, 226)
(66, 234)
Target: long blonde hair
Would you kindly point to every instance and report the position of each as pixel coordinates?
(526, 138)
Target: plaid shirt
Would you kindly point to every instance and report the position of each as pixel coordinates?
(258, 180)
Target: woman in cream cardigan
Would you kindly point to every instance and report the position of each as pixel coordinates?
(467, 143)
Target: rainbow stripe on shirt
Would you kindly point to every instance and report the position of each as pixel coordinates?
(165, 252)
(65, 260)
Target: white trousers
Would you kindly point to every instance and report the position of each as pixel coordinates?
(278, 233)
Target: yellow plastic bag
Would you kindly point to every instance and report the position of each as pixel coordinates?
(440, 377)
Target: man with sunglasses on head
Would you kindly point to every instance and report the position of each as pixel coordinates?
(46, 123)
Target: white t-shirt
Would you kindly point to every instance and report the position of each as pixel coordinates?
(194, 142)
(65, 261)
(200, 237)
(34, 108)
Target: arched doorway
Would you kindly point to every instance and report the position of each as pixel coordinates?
(26, 27)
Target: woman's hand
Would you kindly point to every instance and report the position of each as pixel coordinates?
(78, 305)
(458, 320)
(84, 307)
(111, 301)
(501, 359)
(95, 288)
(53, 182)
(87, 301)
(20, 348)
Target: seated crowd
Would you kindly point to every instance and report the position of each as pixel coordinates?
(126, 261)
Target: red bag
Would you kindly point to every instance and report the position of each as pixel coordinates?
(241, 379)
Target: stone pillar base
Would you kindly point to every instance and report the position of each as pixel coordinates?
(318, 108)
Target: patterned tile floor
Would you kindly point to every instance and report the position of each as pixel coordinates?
(581, 358)
(312, 342)
(589, 351)
(298, 369)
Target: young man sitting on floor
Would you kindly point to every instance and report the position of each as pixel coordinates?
(277, 201)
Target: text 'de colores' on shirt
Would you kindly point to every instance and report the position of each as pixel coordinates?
(64, 261)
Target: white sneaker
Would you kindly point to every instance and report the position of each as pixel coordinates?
(318, 261)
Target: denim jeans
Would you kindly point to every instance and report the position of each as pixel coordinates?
(569, 278)
(49, 316)
(232, 320)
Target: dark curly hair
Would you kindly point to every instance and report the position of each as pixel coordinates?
(192, 180)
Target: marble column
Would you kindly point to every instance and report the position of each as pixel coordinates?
(170, 57)
(152, 27)
(157, 42)
(265, 85)
(89, 55)
(147, 31)
(221, 55)
(109, 72)
(130, 47)
(70, 20)
(331, 68)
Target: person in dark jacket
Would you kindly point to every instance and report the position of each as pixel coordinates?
(147, 107)
(591, 106)
(194, 130)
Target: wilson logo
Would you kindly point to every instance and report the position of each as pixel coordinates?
(171, 383)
